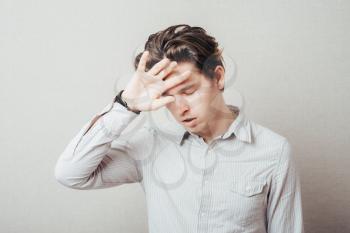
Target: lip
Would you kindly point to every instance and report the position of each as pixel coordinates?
(189, 122)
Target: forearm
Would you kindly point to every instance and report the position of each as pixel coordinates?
(86, 150)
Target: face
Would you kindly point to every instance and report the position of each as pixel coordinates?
(195, 99)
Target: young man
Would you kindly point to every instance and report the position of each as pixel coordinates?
(224, 173)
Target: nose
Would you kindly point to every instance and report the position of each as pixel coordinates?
(181, 104)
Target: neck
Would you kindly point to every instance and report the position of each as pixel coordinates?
(219, 123)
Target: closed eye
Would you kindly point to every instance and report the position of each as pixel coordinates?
(189, 92)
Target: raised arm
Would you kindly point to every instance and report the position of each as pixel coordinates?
(88, 161)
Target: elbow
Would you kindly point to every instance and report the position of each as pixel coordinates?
(65, 177)
(62, 177)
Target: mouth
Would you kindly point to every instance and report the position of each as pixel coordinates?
(189, 120)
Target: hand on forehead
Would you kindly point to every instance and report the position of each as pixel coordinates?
(191, 82)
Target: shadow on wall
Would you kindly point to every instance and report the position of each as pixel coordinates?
(324, 192)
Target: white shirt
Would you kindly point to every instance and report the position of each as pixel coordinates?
(243, 181)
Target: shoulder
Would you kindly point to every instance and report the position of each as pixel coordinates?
(266, 135)
(277, 146)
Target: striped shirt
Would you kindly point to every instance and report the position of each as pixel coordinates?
(244, 180)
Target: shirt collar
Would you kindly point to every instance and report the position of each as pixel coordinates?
(240, 127)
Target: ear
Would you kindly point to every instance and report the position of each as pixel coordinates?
(219, 76)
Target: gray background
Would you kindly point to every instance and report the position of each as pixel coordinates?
(61, 62)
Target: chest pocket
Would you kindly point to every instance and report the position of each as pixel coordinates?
(247, 202)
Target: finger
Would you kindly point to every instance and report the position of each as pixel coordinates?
(158, 103)
(169, 83)
(164, 73)
(143, 60)
(159, 66)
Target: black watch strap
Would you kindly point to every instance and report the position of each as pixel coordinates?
(118, 99)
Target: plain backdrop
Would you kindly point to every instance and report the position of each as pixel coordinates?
(62, 61)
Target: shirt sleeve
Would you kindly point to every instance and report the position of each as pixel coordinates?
(89, 161)
(284, 212)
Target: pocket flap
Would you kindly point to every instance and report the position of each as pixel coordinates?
(248, 188)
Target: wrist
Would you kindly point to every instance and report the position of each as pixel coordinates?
(120, 98)
(122, 95)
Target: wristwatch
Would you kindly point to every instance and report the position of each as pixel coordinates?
(118, 99)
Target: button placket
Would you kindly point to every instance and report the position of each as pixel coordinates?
(205, 198)
(207, 163)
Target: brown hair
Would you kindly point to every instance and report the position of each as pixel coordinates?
(183, 43)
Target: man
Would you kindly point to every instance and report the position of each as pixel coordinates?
(224, 173)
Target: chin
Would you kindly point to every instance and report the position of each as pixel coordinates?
(194, 129)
